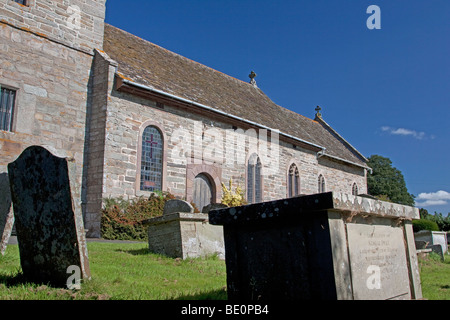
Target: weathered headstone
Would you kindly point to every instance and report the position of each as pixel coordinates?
(6, 213)
(49, 225)
(327, 246)
(213, 206)
(173, 206)
(433, 238)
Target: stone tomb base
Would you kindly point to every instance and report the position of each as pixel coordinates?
(185, 235)
(327, 246)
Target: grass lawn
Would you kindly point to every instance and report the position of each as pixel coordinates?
(435, 277)
(130, 272)
(124, 272)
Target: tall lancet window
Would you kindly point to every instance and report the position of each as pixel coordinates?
(152, 160)
(293, 181)
(254, 180)
(321, 182)
(355, 189)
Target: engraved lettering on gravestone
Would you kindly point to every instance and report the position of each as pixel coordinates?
(381, 246)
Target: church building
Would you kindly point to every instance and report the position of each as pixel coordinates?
(137, 118)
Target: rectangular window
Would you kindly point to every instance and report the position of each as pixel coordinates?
(7, 101)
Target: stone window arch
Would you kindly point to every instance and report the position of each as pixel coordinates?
(355, 189)
(293, 183)
(254, 179)
(151, 159)
(321, 184)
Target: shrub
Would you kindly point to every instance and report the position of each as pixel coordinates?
(233, 199)
(424, 224)
(442, 222)
(123, 219)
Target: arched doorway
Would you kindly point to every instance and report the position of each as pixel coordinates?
(203, 193)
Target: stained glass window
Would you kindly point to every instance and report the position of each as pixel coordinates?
(152, 160)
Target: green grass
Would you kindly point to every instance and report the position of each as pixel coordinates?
(124, 272)
(127, 271)
(435, 277)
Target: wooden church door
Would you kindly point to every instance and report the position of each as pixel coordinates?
(203, 191)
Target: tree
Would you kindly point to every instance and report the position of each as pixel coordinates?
(423, 213)
(386, 180)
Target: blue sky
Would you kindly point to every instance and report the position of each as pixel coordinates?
(387, 91)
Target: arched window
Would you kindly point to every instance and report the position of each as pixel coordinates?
(355, 189)
(152, 160)
(321, 182)
(293, 181)
(254, 182)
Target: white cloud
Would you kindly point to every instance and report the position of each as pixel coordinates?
(405, 132)
(440, 198)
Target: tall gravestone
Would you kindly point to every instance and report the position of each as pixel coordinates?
(327, 246)
(49, 224)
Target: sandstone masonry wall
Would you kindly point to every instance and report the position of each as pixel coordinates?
(48, 63)
(127, 115)
(77, 24)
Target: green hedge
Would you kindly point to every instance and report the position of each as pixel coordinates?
(123, 219)
(424, 224)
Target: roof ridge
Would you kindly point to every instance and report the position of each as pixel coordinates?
(209, 68)
(183, 57)
(215, 89)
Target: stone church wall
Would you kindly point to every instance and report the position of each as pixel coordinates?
(74, 23)
(65, 99)
(48, 63)
(128, 115)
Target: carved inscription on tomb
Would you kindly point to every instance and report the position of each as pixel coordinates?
(378, 262)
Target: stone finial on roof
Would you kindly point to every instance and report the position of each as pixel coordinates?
(318, 114)
(252, 77)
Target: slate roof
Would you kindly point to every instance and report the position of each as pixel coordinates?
(151, 65)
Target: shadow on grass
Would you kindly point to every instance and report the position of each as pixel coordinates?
(14, 280)
(18, 279)
(135, 252)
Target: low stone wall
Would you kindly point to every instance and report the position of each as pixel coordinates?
(185, 235)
